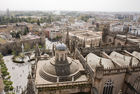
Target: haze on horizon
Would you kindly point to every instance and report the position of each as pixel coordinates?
(72, 5)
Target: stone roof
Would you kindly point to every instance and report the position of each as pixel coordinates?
(51, 71)
(68, 68)
(45, 79)
(123, 60)
(94, 61)
(136, 54)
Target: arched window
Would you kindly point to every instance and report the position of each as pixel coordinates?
(137, 84)
(108, 87)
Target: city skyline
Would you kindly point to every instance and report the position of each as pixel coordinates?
(72, 5)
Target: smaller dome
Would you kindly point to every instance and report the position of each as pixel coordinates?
(61, 47)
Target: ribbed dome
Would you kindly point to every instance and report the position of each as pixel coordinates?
(61, 47)
(60, 69)
(52, 70)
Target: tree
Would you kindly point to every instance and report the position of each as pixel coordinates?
(14, 53)
(26, 30)
(1, 56)
(38, 22)
(17, 35)
(50, 19)
(85, 18)
(40, 46)
(58, 37)
(5, 75)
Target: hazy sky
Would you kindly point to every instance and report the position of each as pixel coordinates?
(82, 5)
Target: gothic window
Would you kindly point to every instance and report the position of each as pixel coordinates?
(108, 87)
(137, 84)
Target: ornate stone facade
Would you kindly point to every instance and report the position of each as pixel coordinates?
(60, 74)
(110, 73)
(107, 69)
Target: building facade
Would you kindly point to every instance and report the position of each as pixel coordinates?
(76, 69)
(60, 74)
(29, 43)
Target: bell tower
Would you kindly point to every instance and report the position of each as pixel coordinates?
(67, 38)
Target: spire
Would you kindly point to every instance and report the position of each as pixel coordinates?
(114, 39)
(84, 43)
(76, 43)
(29, 76)
(67, 38)
(137, 33)
(106, 30)
(32, 70)
(91, 44)
(37, 51)
(131, 61)
(30, 86)
(53, 51)
(100, 43)
(100, 62)
(86, 59)
(126, 33)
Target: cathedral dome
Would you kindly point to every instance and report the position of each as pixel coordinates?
(61, 47)
(61, 69)
(65, 71)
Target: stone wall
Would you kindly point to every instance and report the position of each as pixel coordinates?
(66, 91)
(8, 47)
(98, 50)
(64, 88)
(132, 78)
(117, 81)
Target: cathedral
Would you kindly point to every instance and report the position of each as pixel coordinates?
(60, 74)
(111, 68)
